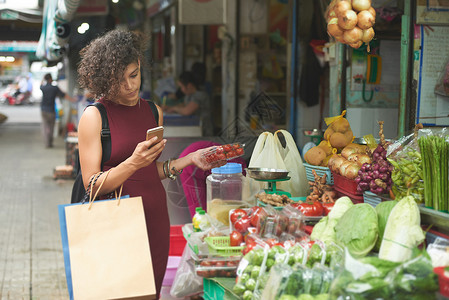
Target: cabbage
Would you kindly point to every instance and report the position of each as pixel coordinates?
(340, 207)
(383, 210)
(324, 230)
(402, 232)
(318, 229)
(357, 229)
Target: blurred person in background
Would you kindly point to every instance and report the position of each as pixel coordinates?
(48, 112)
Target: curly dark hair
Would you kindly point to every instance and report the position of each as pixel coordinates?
(104, 60)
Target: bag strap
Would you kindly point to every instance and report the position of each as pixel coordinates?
(105, 133)
(154, 110)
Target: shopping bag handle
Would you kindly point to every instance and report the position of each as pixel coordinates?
(91, 200)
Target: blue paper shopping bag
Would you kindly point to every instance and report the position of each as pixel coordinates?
(106, 249)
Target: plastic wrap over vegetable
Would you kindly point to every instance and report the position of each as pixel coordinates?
(374, 278)
(407, 174)
(383, 210)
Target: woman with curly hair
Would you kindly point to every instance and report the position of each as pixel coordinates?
(110, 69)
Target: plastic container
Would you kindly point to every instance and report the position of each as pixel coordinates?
(220, 245)
(223, 152)
(373, 199)
(224, 191)
(217, 267)
(212, 290)
(177, 241)
(170, 272)
(320, 171)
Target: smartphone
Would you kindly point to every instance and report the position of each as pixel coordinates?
(157, 131)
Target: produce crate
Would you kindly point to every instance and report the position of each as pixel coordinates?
(374, 199)
(212, 290)
(347, 187)
(320, 171)
(177, 241)
(443, 281)
(219, 245)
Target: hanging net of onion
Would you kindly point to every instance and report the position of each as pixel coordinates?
(351, 22)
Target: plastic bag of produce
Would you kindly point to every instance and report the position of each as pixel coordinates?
(405, 156)
(414, 279)
(250, 268)
(278, 277)
(439, 252)
(186, 283)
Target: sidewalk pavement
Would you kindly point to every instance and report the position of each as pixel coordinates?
(31, 260)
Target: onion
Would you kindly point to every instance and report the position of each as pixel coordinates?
(333, 28)
(353, 36)
(356, 45)
(332, 14)
(342, 6)
(372, 11)
(347, 20)
(368, 35)
(359, 5)
(365, 19)
(340, 39)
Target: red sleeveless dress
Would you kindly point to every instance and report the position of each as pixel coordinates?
(128, 125)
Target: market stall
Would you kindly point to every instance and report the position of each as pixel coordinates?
(360, 230)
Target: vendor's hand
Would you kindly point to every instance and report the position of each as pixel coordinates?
(199, 161)
(146, 152)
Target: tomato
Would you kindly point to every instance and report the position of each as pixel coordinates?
(220, 264)
(314, 209)
(271, 242)
(242, 224)
(248, 248)
(231, 154)
(227, 148)
(237, 214)
(236, 238)
(236, 146)
(327, 207)
(221, 156)
(258, 215)
(219, 150)
(239, 151)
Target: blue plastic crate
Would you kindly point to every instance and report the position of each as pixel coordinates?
(373, 199)
(320, 171)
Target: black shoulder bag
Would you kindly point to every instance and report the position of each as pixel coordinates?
(78, 191)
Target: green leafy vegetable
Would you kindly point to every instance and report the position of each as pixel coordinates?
(402, 232)
(357, 229)
(383, 210)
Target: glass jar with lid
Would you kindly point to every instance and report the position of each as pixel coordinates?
(224, 191)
